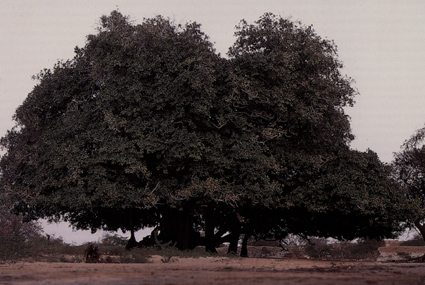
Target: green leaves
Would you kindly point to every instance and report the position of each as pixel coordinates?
(289, 77)
(409, 170)
(148, 118)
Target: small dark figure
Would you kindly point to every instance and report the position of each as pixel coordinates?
(91, 254)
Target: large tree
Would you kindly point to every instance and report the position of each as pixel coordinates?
(291, 94)
(148, 126)
(409, 171)
(110, 137)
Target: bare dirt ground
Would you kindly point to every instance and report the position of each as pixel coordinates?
(215, 270)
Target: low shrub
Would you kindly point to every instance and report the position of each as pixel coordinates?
(360, 250)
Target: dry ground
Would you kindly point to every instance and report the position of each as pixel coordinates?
(215, 270)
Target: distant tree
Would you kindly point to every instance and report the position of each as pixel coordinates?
(148, 127)
(409, 170)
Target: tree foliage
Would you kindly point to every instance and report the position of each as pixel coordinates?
(409, 171)
(148, 126)
(12, 225)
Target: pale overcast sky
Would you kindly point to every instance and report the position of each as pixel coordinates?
(382, 45)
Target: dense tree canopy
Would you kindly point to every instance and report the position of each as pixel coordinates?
(409, 170)
(147, 126)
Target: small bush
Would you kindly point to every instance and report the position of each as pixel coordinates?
(318, 249)
(363, 249)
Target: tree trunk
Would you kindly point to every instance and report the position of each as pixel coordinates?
(244, 249)
(169, 228)
(132, 241)
(184, 239)
(233, 245)
(176, 228)
(235, 231)
(154, 236)
(210, 243)
(421, 228)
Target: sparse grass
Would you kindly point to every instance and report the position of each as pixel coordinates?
(133, 256)
(40, 248)
(112, 250)
(361, 250)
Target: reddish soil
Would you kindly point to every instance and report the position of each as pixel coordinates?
(216, 270)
